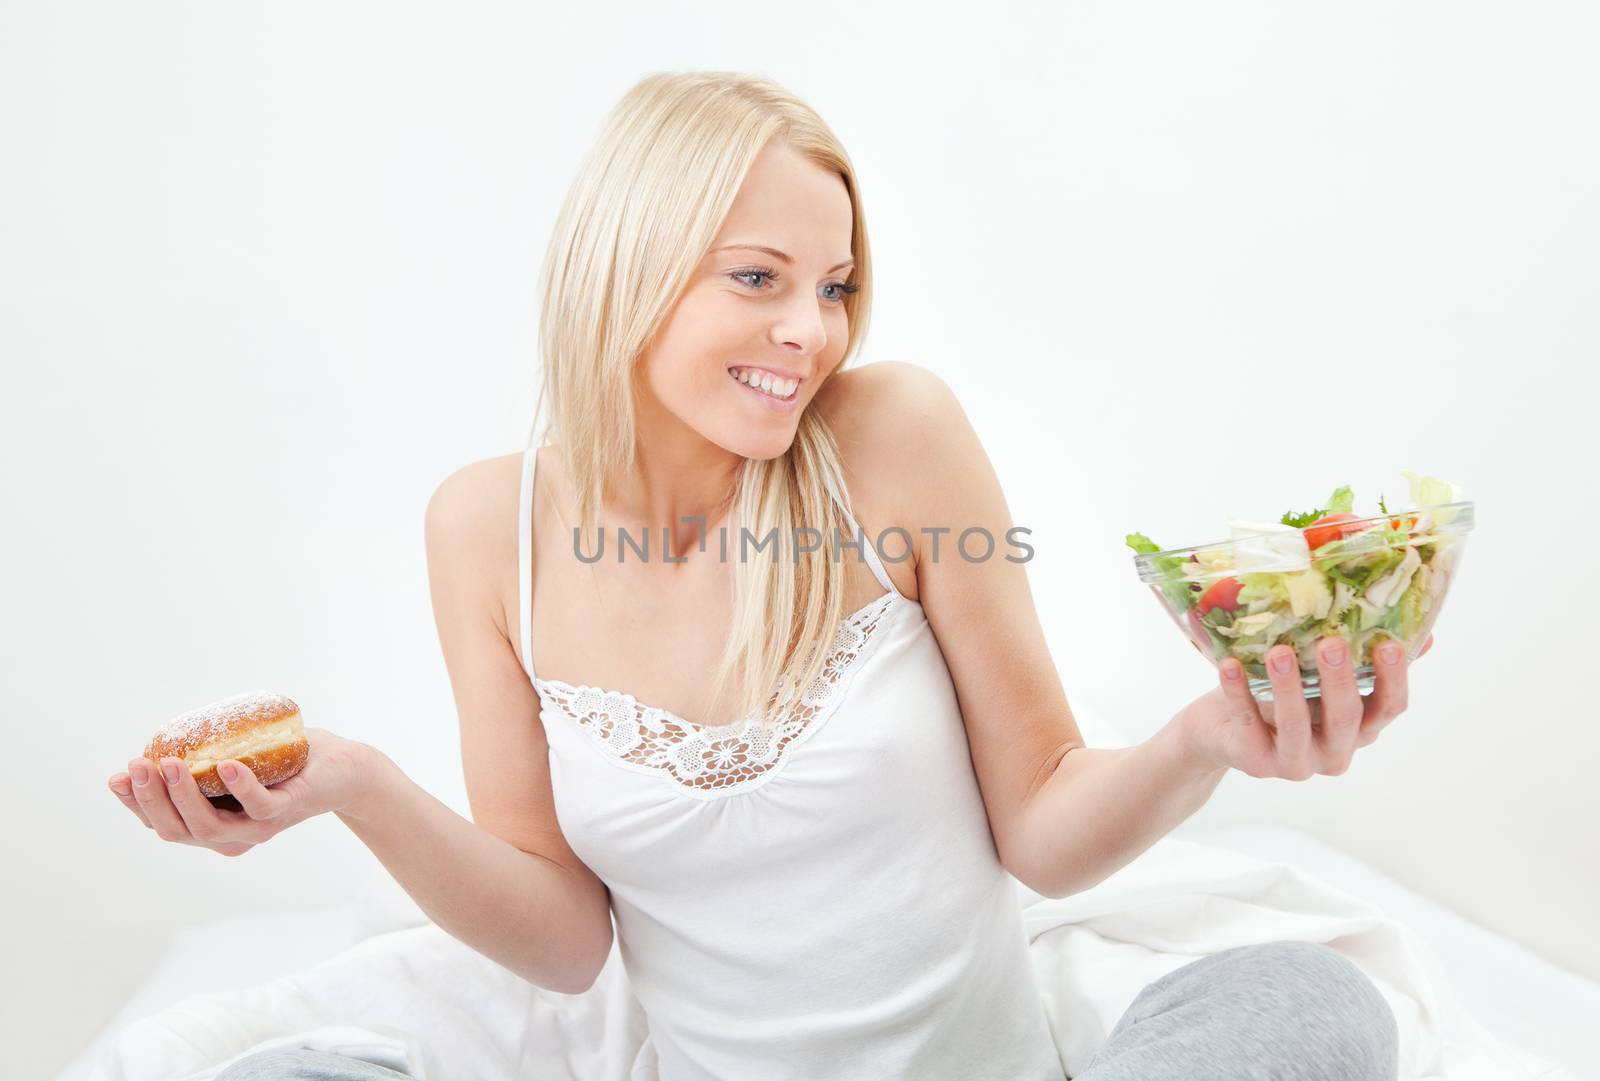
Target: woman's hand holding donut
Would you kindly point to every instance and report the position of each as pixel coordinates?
(334, 778)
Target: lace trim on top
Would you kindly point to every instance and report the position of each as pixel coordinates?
(709, 760)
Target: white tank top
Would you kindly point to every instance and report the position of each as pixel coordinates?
(824, 902)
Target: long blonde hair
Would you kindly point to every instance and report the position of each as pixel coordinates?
(646, 205)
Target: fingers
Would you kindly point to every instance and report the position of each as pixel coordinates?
(121, 786)
(1290, 714)
(260, 803)
(1342, 707)
(151, 793)
(178, 811)
(205, 822)
(1390, 691)
(1250, 735)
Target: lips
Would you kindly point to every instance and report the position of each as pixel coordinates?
(766, 401)
(779, 372)
(734, 373)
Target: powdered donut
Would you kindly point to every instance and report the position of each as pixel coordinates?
(258, 729)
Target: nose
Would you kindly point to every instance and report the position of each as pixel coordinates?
(800, 328)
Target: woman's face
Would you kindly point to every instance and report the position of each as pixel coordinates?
(758, 314)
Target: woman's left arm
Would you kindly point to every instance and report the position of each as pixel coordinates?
(1065, 816)
(1131, 797)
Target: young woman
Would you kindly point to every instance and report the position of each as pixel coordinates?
(801, 779)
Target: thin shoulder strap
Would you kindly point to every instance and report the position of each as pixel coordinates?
(856, 532)
(530, 459)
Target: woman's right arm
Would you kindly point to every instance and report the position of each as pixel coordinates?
(518, 908)
(507, 884)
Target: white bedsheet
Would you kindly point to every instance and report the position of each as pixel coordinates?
(1524, 999)
(408, 995)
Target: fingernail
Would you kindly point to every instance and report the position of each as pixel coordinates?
(169, 770)
(1283, 664)
(1333, 656)
(228, 772)
(139, 774)
(1390, 653)
(1231, 672)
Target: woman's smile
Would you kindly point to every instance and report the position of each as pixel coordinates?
(767, 390)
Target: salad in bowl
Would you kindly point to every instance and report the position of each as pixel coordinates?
(1313, 575)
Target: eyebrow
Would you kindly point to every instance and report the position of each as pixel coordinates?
(776, 254)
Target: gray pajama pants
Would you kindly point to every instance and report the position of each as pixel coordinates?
(1281, 1011)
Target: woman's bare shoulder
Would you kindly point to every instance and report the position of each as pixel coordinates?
(473, 514)
(859, 403)
(864, 408)
(477, 492)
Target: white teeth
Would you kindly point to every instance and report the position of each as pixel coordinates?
(766, 382)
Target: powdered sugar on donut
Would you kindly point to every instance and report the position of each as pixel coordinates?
(220, 718)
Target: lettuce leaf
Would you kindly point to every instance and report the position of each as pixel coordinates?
(1340, 502)
(1433, 492)
(1176, 586)
(1141, 544)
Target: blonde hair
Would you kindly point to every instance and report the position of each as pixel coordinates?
(646, 205)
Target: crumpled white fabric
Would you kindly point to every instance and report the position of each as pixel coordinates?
(417, 1000)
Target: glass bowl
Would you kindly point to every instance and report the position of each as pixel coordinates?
(1366, 580)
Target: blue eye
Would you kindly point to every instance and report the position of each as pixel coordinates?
(739, 276)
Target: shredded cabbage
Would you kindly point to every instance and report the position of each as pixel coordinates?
(1379, 583)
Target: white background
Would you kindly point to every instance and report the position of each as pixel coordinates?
(267, 275)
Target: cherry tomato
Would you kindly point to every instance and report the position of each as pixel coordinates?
(1326, 529)
(1224, 593)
